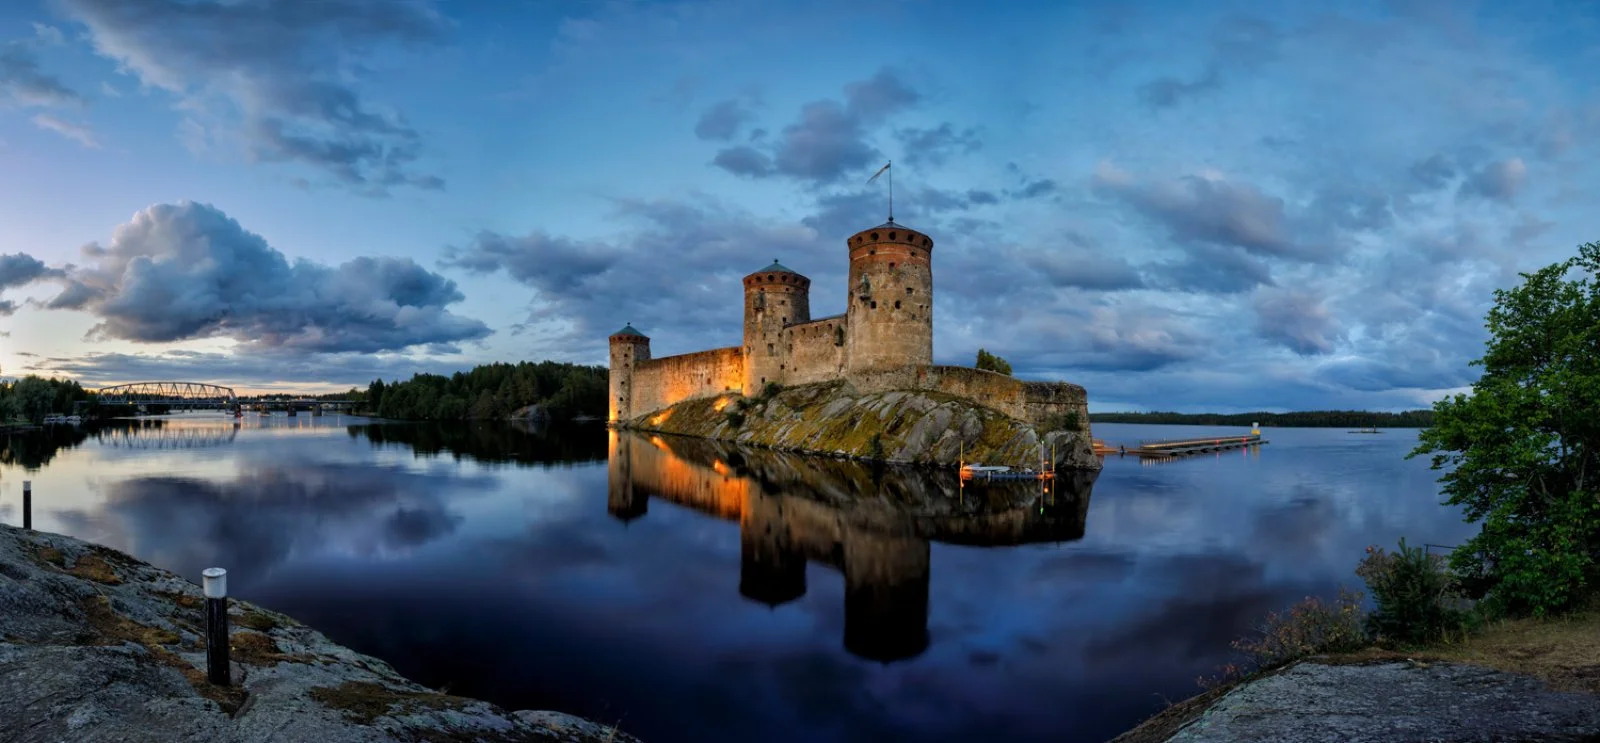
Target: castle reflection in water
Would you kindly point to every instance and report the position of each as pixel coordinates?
(874, 524)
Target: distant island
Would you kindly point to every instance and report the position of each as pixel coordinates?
(1301, 419)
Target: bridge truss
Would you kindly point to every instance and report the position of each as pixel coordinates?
(171, 394)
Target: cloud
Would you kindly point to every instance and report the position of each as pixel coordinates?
(1166, 92)
(48, 34)
(674, 271)
(1078, 264)
(722, 121)
(79, 133)
(187, 270)
(1207, 209)
(253, 368)
(281, 70)
(937, 145)
(1298, 319)
(830, 137)
(24, 83)
(20, 269)
(1497, 181)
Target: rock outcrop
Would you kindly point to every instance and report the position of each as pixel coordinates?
(900, 426)
(1435, 702)
(98, 646)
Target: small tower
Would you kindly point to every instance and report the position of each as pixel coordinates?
(890, 299)
(628, 347)
(774, 297)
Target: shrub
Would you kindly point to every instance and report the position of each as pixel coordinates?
(1308, 628)
(990, 362)
(875, 447)
(1414, 595)
(771, 390)
(1068, 421)
(735, 418)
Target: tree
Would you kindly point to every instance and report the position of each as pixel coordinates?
(1519, 453)
(990, 362)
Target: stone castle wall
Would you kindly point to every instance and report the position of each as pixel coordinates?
(815, 351)
(659, 383)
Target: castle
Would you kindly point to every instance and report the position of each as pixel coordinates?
(883, 341)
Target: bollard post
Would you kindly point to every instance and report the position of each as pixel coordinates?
(27, 504)
(216, 590)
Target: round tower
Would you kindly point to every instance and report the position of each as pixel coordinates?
(890, 293)
(774, 297)
(628, 347)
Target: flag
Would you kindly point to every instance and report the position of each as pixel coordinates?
(880, 172)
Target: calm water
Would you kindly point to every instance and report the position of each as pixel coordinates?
(698, 594)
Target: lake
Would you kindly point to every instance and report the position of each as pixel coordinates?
(697, 593)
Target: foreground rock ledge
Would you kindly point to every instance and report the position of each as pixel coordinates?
(97, 646)
(1392, 702)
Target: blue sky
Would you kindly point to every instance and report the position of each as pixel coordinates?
(1217, 206)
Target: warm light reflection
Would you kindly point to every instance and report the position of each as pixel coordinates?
(721, 404)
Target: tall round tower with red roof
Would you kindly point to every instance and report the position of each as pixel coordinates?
(890, 298)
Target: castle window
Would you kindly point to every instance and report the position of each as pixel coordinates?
(910, 291)
(897, 304)
(874, 235)
(874, 305)
(874, 251)
(891, 236)
(891, 264)
(913, 254)
(769, 277)
(786, 319)
(925, 242)
(770, 350)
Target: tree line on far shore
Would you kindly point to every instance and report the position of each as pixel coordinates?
(1302, 419)
(32, 398)
(494, 392)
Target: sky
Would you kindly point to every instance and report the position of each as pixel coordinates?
(1213, 206)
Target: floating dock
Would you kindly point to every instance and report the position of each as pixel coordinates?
(1182, 447)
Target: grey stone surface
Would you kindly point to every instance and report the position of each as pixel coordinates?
(1395, 703)
(97, 647)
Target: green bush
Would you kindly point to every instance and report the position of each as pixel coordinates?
(1413, 593)
(875, 447)
(735, 418)
(990, 362)
(770, 391)
(1068, 421)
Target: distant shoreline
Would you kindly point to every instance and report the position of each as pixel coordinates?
(1302, 419)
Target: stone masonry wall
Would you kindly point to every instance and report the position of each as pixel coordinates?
(658, 383)
(814, 351)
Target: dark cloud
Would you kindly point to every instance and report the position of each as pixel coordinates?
(674, 271)
(1166, 92)
(937, 145)
(1211, 269)
(18, 269)
(283, 69)
(187, 270)
(830, 137)
(1298, 319)
(1078, 264)
(744, 161)
(976, 196)
(1497, 181)
(25, 84)
(1034, 189)
(722, 121)
(1434, 172)
(1211, 210)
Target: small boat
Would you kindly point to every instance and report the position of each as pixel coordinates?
(1367, 430)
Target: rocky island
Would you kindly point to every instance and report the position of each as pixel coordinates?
(98, 646)
(860, 384)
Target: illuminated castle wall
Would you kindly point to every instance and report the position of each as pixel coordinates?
(883, 341)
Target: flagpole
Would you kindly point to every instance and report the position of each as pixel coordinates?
(891, 189)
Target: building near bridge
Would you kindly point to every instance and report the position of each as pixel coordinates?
(882, 341)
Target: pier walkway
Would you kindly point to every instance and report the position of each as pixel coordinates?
(1183, 446)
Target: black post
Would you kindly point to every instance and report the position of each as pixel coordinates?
(216, 589)
(27, 504)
